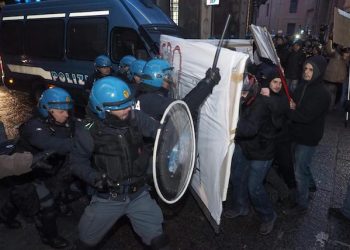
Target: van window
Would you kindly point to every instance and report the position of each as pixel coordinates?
(11, 37)
(44, 38)
(87, 38)
(126, 41)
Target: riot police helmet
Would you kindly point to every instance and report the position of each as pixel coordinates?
(136, 68)
(109, 93)
(54, 98)
(156, 71)
(126, 61)
(103, 61)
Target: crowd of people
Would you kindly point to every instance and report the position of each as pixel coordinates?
(279, 129)
(106, 156)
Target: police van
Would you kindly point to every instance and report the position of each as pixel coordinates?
(55, 42)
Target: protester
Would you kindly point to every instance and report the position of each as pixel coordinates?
(307, 115)
(255, 149)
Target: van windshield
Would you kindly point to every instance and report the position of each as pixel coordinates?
(152, 34)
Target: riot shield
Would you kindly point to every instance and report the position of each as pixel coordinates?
(174, 152)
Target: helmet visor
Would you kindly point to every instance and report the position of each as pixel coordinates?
(128, 102)
(60, 105)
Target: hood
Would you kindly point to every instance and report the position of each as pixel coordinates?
(319, 65)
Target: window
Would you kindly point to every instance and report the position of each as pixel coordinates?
(126, 41)
(174, 10)
(293, 7)
(44, 38)
(290, 28)
(87, 38)
(11, 37)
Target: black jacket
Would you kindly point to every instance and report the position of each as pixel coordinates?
(155, 102)
(312, 101)
(258, 126)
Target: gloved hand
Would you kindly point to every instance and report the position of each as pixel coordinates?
(40, 161)
(102, 183)
(212, 76)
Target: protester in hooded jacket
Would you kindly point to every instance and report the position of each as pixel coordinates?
(281, 175)
(307, 115)
(255, 148)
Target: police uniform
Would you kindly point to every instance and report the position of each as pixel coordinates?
(38, 134)
(115, 148)
(155, 99)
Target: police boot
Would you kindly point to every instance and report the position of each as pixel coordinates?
(8, 214)
(160, 242)
(46, 225)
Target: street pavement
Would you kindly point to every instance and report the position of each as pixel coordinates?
(188, 228)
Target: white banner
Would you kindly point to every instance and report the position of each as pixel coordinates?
(218, 115)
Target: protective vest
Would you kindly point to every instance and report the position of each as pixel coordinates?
(118, 151)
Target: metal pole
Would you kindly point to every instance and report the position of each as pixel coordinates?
(216, 58)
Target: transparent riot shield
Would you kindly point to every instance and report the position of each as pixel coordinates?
(174, 152)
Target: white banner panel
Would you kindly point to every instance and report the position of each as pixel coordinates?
(218, 115)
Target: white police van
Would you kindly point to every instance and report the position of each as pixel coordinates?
(55, 42)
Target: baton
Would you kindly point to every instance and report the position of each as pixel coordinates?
(216, 58)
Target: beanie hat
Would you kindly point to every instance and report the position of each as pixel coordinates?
(266, 73)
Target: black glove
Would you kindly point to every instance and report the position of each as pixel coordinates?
(102, 183)
(212, 76)
(40, 161)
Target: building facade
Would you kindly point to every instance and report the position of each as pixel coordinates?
(292, 16)
(198, 20)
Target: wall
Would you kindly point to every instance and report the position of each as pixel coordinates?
(277, 16)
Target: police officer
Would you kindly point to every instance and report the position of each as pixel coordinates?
(136, 69)
(158, 77)
(51, 129)
(124, 68)
(103, 67)
(109, 155)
